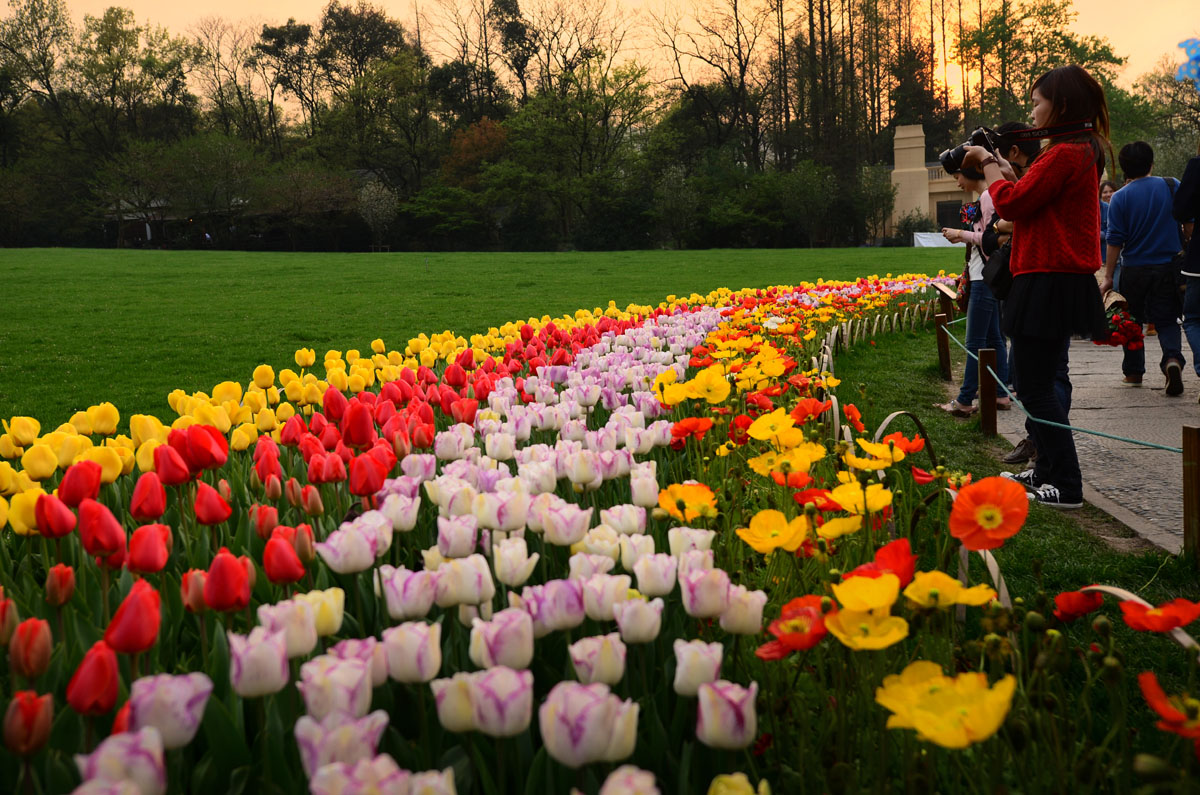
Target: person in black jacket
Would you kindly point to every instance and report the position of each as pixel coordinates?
(1186, 208)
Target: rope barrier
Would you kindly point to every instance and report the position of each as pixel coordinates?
(1052, 424)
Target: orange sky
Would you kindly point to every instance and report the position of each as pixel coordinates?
(1142, 30)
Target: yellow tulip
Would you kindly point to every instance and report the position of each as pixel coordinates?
(308, 378)
(332, 354)
(175, 400)
(39, 461)
(417, 345)
(294, 390)
(82, 423)
(227, 390)
(356, 384)
(737, 784)
(215, 416)
(312, 395)
(126, 456)
(272, 396)
(108, 459)
(287, 376)
(24, 430)
(378, 346)
(243, 436)
(3, 512)
(145, 455)
(395, 358)
(328, 609)
(337, 379)
(255, 399)
(264, 376)
(352, 356)
(186, 421)
(121, 440)
(241, 415)
(8, 479)
(9, 448)
(144, 427)
(104, 418)
(305, 357)
(21, 511)
(265, 420)
(429, 357)
(284, 412)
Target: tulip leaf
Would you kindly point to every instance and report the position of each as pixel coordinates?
(685, 769)
(61, 774)
(534, 784)
(226, 744)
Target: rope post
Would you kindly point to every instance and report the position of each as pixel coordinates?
(1191, 493)
(943, 343)
(987, 391)
(946, 303)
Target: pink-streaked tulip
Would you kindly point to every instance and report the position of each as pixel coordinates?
(348, 550)
(540, 477)
(581, 724)
(451, 445)
(566, 523)
(434, 782)
(696, 662)
(685, 539)
(502, 700)
(366, 650)
(464, 581)
(512, 562)
(705, 593)
(539, 506)
(598, 659)
(625, 519)
(501, 510)
(581, 566)
(377, 526)
(601, 591)
(421, 466)
(507, 639)
(458, 536)
(500, 446)
(639, 620)
(629, 780)
(27, 722)
(135, 757)
(583, 470)
(401, 511)
(331, 685)
(378, 775)
(557, 605)
(338, 738)
(413, 650)
(656, 574)
(695, 560)
(601, 540)
(643, 490)
(295, 619)
(409, 594)
(726, 717)
(743, 615)
(455, 708)
(633, 549)
(174, 705)
(258, 662)
(432, 559)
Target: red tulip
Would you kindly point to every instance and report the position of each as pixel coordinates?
(224, 490)
(358, 426)
(382, 452)
(317, 423)
(281, 563)
(29, 649)
(301, 539)
(330, 437)
(191, 590)
(115, 561)
(310, 499)
(54, 519)
(265, 445)
(264, 518)
(60, 585)
(422, 436)
(100, 532)
(134, 627)
(272, 488)
(93, 687)
(149, 548)
(8, 619)
(293, 431)
(455, 376)
(170, 466)
(464, 410)
(121, 721)
(149, 499)
(27, 722)
(202, 446)
(366, 475)
(334, 404)
(292, 491)
(267, 466)
(227, 586)
(80, 482)
(210, 506)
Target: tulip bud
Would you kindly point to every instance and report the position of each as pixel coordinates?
(60, 585)
(264, 518)
(8, 620)
(29, 649)
(310, 500)
(224, 490)
(292, 491)
(273, 489)
(191, 590)
(27, 722)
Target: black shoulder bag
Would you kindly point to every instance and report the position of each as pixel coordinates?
(996, 272)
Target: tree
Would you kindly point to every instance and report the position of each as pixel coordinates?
(286, 56)
(212, 180)
(378, 205)
(133, 184)
(35, 40)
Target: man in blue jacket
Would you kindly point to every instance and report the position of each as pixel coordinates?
(1144, 234)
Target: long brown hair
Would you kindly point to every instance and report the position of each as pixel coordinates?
(1074, 95)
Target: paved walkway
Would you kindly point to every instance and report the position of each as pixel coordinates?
(1141, 487)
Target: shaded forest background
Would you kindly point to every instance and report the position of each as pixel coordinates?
(536, 125)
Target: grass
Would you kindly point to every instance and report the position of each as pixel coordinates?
(81, 326)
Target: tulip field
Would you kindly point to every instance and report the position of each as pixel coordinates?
(639, 548)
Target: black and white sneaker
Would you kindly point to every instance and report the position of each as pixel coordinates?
(1051, 497)
(1174, 373)
(1028, 479)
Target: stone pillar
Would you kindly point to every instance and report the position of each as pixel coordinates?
(910, 176)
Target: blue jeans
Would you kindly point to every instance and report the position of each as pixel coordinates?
(1191, 318)
(1153, 297)
(983, 331)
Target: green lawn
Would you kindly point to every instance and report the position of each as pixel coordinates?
(80, 326)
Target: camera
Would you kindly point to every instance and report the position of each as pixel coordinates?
(952, 159)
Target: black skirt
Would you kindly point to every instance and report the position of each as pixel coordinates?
(1055, 305)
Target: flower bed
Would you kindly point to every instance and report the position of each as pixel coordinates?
(615, 551)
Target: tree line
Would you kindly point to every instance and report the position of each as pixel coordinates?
(538, 125)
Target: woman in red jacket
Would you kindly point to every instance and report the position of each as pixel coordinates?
(1054, 293)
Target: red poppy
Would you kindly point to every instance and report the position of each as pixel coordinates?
(210, 506)
(758, 403)
(93, 687)
(739, 428)
(134, 627)
(808, 408)
(1179, 714)
(149, 548)
(100, 532)
(280, 561)
(149, 499)
(227, 585)
(800, 626)
(895, 557)
(923, 477)
(905, 444)
(54, 519)
(1070, 605)
(172, 469)
(1164, 618)
(854, 417)
(793, 480)
(80, 482)
(987, 513)
(818, 497)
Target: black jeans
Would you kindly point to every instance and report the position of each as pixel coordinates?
(1037, 365)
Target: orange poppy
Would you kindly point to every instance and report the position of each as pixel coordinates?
(1180, 714)
(854, 417)
(988, 512)
(688, 501)
(793, 480)
(904, 443)
(691, 426)
(1164, 618)
(1070, 605)
(808, 408)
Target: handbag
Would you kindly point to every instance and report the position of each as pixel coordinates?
(997, 273)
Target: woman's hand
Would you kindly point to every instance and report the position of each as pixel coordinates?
(1004, 227)
(975, 154)
(953, 235)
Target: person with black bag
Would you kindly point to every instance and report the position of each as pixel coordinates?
(1186, 208)
(1056, 237)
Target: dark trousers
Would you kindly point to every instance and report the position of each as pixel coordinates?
(1038, 362)
(1153, 297)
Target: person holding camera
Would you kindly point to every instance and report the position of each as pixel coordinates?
(1143, 233)
(983, 310)
(1056, 234)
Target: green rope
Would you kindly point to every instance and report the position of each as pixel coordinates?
(1019, 405)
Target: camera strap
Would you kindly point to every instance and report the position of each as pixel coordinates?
(1038, 133)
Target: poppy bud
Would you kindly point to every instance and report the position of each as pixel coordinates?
(292, 491)
(54, 519)
(310, 498)
(60, 585)
(93, 687)
(29, 649)
(27, 722)
(80, 482)
(1035, 622)
(272, 489)
(191, 590)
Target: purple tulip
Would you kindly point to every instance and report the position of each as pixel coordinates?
(726, 717)
(172, 704)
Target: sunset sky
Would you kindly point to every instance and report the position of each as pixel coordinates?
(1143, 31)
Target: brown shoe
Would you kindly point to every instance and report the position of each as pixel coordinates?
(1133, 380)
(1024, 451)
